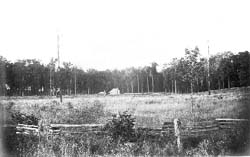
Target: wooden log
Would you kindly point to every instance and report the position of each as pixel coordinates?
(77, 132)
(9, 126)
(157, 129)
(54, 130)
(167, 132)
(26, 133)
(168, 126)
(232, 123)
(202, 123)
(204, 130)
(75, 125)
(230, 119)
(168, 123)
(203, 127)
(167, 129)
(28, 126)
(229, 127)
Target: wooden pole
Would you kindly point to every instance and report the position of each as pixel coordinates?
(138, 83)
(58, 50)
(208, 74)
(60, 96)
(177, 130)
(75, 80)
(175, 88)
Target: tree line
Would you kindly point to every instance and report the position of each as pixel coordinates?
(187, 74)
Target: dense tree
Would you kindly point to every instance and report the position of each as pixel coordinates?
(191, 58)
(3, 62)
(182, 75)
(153, 74)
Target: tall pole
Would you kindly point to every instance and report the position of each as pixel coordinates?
(50, 80)
(208, 74)
(138, 83)
(175, 89)
(58, 54)
(75, 80)
(58, 57)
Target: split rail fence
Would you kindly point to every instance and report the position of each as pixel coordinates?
(173, 128)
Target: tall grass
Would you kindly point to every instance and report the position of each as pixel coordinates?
(149, 111)
(160, 108)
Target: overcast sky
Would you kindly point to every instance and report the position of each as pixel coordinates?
(105, 34)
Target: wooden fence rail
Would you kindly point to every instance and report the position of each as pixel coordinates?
(175, 128)
(167, 127)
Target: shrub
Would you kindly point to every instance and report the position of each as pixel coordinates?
(121, 128)
(22, 118)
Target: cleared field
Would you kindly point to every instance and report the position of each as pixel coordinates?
(149, 110)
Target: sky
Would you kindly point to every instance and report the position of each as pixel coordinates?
(114, 34)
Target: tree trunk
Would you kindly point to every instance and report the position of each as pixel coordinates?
(138, 83)
(75, 82)
(172, 86)
(191, 85)
(175, 87)
(142, 86)
(223, 84)
(197, 81)
(132, 87)
(228, 83)
(202, 84)
(148, 84)
(50, 82)
(153, 88)
(219, 83)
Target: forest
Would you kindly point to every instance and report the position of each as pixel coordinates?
(187, 74)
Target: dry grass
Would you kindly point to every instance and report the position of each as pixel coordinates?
(149, 110)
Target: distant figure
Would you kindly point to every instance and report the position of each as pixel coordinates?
(7, 87)
(58, 92)
(52, 91)
(40, 90)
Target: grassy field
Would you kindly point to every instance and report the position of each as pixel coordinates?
(149, 110)
(158, 107)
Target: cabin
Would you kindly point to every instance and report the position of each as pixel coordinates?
(114, 91)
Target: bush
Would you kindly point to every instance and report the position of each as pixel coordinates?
(22, 118)
(121, 128)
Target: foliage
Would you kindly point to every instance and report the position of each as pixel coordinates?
(149, 111)
(121, 127)
(232, 142)
(186, 74)
(22, 118)
(72, 115)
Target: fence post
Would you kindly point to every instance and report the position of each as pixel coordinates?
(60, 97)
(177, 131)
